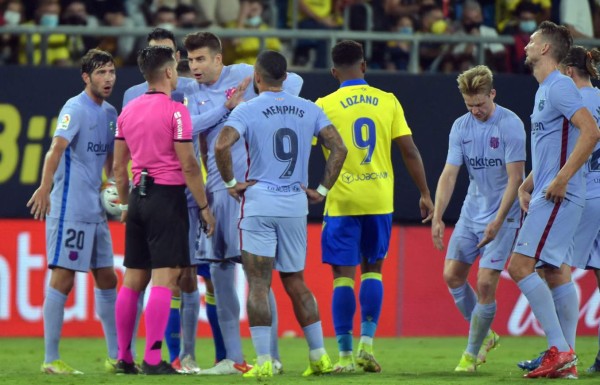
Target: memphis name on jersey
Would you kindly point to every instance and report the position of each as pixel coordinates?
(480, 163)
(283, 110)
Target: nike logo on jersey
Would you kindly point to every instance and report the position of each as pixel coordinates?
(466, 141)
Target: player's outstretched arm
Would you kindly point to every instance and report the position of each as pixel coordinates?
(40, 200)
(515, 171)
(588, 137)
(443, 193)
(121, 158)
(414, 165)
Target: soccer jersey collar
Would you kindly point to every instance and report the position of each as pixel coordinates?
(354, 82)
(551, 76)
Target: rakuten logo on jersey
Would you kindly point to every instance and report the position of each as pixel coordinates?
(479, 163)
(97, 148)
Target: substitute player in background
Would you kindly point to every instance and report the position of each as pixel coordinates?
(490, 141)
(358, 211)
(155, 133)
(77, 235)
(278, 129)
(553, 196)
(219, 89)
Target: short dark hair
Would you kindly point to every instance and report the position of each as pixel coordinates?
(183, 9)
(272, 66)
(347, 53)
(151, 60)
(183, 65)
(559, 37)
(94, 59)
(583, 61)
(161, 34)
(197, 40)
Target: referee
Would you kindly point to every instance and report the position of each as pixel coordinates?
(156, 134)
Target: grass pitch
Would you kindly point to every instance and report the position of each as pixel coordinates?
(404, 361)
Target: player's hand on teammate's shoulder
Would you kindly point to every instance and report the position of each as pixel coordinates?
(237, 94)
(40, 203)
(426, 206)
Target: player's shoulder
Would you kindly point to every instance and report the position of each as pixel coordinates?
(136, 90)
(240, 69)
(508, 117)
(109, 108)
(462, 121)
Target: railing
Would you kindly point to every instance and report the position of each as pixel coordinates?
(331, 36)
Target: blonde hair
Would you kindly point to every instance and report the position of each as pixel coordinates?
(477, 80)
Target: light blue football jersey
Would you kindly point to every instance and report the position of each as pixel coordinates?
(278, 129)
(591, 170)
(139, 89)
(90, 130)
(206, 104)
(553, 137)
(485, 148)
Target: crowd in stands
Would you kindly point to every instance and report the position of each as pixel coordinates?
(486, 18)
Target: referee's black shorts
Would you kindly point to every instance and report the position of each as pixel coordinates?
(156, 234)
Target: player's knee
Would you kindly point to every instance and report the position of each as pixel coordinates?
(105, 278)
(486, 290)
(453, 280)
(517, 272)
(62, 280)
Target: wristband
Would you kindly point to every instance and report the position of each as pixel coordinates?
(203, 207)
(231, 183)
(123, 207)
(322, 190)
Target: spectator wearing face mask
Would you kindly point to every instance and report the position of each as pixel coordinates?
(47, 14)
(11, 14)
(523, 24)
(398, 50)
(246, 49)
(465, 54)
(187, 17)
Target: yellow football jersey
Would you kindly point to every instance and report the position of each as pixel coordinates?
(368, 119)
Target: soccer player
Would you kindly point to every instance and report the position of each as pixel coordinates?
(184, 307)
(553, 195)
(219, 89)
(77, 235)
(581, 65)
(490, 141)
(358, 211)
(156, 133)
(278, 129)
(159, 36)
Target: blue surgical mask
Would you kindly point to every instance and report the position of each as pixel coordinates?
(49, 20)
(254, 21)
(406, 30)
(528, 25)
(12, 17)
